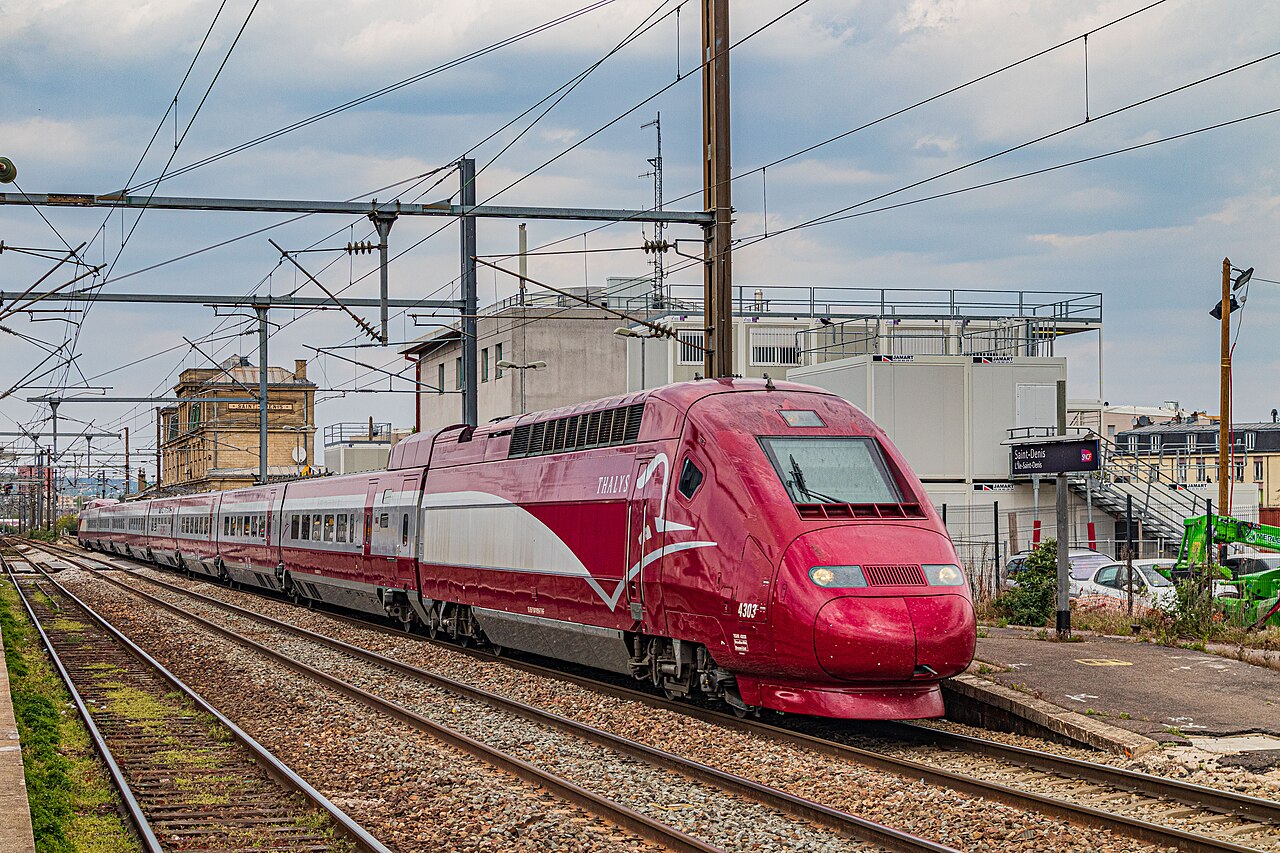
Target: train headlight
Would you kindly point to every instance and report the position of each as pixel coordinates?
(944, 575)
(837, 577)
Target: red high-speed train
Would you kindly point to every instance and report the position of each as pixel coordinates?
(731, 539)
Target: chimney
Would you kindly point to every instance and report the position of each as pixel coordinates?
(300, 369)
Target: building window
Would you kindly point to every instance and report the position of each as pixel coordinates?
(1111, 432)
(440, 378)
(497, 357)
(1182, 469)
(1239, 470)
(1155, 444)
(457, 373)
(1257, 470)
(1200, 475)
(1133, 445)
(1191, 442)
(1250, 440)
(193, 416)
(484, 365)
(690, 343)
(773, 348)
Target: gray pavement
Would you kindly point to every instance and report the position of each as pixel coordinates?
(1154, 690)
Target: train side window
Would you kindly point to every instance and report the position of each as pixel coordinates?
(316, 520)
(328, 527)
(404, 529)
(690, 478)
(342, 527)
(306, 527)
(293, 526)
(384, 520)
(226, 525)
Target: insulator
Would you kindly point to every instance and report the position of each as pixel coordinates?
(362, 248)
(656, 246)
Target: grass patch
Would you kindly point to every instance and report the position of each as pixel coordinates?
(73, 806)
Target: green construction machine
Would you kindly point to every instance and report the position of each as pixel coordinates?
(1256, 601)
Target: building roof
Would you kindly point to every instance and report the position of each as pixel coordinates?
(1200, 426)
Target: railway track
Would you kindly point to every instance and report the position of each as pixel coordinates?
(189, 778)
(840, 825)
(1079, 791)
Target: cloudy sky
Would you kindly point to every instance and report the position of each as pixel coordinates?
(84, 87)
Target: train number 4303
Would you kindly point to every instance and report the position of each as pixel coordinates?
(748, 611)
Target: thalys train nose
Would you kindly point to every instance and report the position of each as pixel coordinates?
(887, 602)
(894, 638)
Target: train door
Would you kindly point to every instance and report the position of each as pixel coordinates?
(379, 546)
(406, 525)
(645, 532)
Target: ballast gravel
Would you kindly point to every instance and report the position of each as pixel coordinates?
(410, 791)
(944, 815)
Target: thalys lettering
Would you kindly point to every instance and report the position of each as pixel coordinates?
(688, 536)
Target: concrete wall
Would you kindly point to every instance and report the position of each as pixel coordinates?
(585, 361)
(948, 414)
(351, 458)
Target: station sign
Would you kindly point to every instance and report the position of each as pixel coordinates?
(253, 407)
(1054, 457)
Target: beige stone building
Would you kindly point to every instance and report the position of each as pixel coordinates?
(209, 446)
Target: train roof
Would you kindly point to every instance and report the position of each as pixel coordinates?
(681, 395)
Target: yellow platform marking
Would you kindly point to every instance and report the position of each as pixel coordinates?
(1103, 662)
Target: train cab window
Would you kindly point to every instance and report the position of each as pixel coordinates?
(342, 527)
(404, 529)
(316, 521)
(690, 478)
(832, 469)
(328, 527)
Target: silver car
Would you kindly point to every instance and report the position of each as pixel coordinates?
(1150, 588)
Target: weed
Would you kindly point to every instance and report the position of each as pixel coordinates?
(73, 807)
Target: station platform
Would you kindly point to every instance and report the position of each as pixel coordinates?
(15, 810)
(1161, 693)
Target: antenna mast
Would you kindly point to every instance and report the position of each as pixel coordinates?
(659, 228)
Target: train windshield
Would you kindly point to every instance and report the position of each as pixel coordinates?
(847, 469)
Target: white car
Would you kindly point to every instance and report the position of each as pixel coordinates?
(1150, 588)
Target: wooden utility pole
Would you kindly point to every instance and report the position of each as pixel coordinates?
(717, 186)
(1224, 397)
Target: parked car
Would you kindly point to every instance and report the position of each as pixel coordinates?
(1150, 588)
(1251, 562)
(1083, 564)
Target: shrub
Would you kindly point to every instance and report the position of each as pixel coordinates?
(1033, 600)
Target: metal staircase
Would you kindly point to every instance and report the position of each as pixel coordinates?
(1158, 502)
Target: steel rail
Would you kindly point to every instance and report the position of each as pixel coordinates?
(146, 835)
(1081, 814)
(1188, 793)
(800, 807)
(616, 813)
(274, 767)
